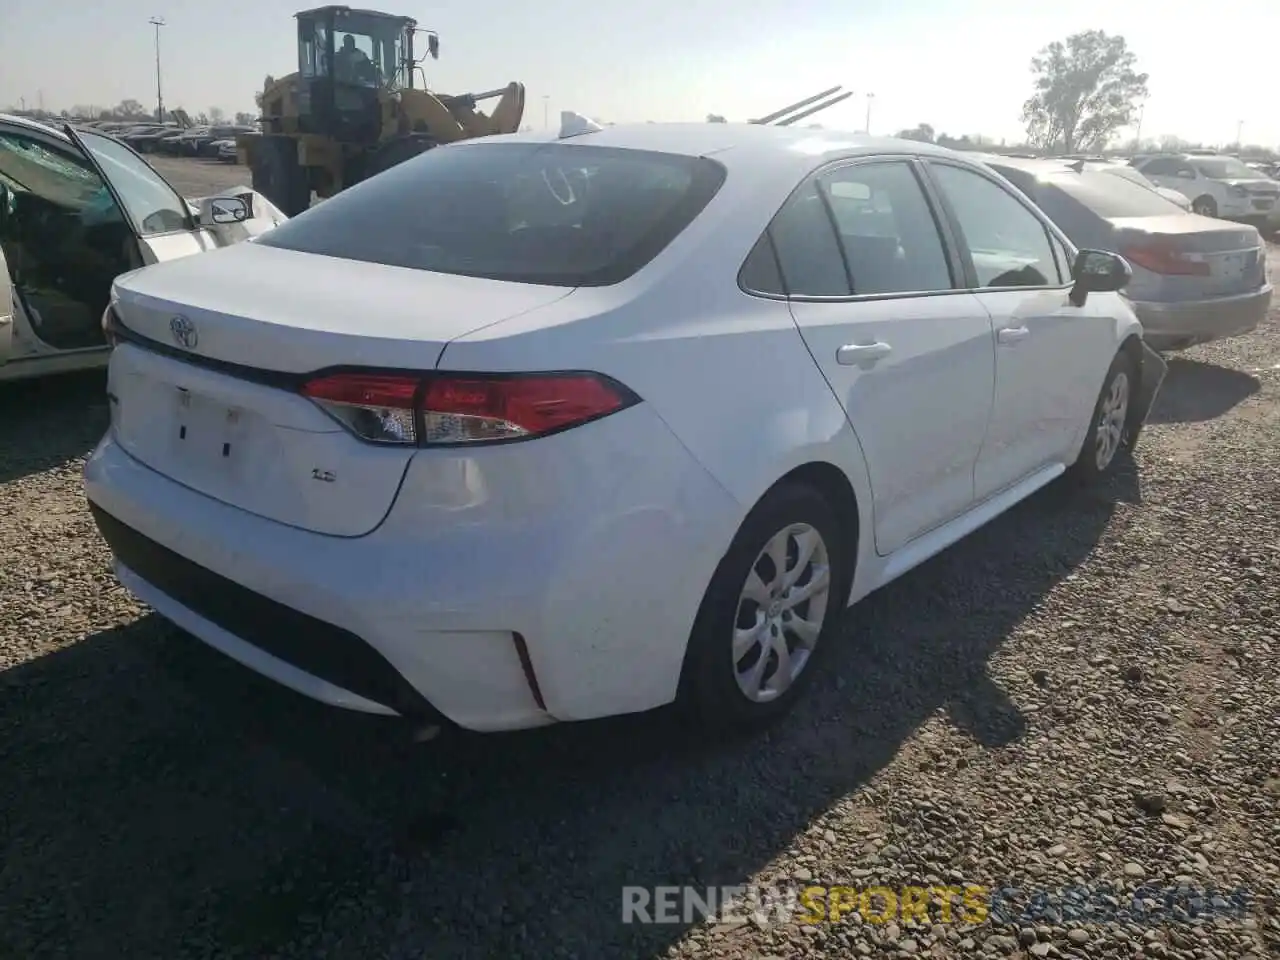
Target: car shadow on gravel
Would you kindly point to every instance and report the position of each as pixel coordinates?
(162, 801)
(1195, 391)
(48, 421)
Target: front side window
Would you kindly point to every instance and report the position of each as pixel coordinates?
(1007, 242)
(150, 202)
(1161, 167)
(887, 231)
(553, 213)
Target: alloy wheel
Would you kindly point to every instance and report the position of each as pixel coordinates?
(1113, 413)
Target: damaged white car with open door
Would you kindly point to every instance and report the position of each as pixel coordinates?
(78, 209)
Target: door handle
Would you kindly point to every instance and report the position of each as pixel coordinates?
(1012, 334)
(862, 354)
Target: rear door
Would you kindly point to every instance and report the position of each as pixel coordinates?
(909, 355)
(1050, 356)
(157, 214)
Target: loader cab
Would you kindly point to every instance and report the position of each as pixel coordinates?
(348, 60)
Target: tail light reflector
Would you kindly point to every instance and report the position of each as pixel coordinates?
(464, 409)
(1164, 259)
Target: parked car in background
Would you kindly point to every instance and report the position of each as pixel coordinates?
(754, 371)
(1218, 186)
(226, 151)
(76, 211)
(1195, 278)
(146, 140)
(1118, 169)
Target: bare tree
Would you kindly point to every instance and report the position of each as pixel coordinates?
(130, 108)
(245, 119)
(715, 118)
(217, 115)
(1087, 88)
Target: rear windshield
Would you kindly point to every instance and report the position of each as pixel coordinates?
(550, 213)
(1113, 197)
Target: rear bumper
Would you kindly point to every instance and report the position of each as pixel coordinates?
(503, 590)
(1175, 326)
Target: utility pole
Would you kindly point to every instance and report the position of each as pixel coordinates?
(1137, 133)
(1239, 133)
(870, 97)
(158, 22)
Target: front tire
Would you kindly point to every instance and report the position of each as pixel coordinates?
(767, 617)
(1109, 427)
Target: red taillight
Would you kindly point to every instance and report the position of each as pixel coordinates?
(1163, 259)
(444, 409)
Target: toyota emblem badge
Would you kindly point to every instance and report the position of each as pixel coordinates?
(184, 332)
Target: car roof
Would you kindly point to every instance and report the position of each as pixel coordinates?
(796, 150)
(32, 125)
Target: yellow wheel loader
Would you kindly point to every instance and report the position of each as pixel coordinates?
(351, 109)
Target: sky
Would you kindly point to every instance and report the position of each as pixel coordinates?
(960, 65)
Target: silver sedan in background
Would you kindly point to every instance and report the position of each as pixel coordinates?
(1195, 279)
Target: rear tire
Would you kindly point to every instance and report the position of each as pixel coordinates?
(1206, 206)
(278, 176)
(762, 633)
(1108, 438)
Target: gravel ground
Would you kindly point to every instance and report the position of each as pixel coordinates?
(1085, 692)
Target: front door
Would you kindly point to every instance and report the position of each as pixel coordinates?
(1047, 376)
(908, 355)
(64, 239)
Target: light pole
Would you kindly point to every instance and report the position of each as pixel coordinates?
(158, 22)
(1137, 133)
(1239, 133)
(870, 97)
(546, 105)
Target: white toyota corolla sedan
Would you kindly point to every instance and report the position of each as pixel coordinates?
(542, 428)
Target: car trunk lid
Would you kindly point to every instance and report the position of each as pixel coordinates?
(213, 402)
(1182, 257)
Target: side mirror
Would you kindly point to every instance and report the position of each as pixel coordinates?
(1097, 271)
(224, 210)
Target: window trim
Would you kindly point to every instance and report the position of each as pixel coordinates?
(1048, 226)
(956, 265)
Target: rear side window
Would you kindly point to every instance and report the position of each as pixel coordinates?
(808, 251)
(886, 229)
(550, 213)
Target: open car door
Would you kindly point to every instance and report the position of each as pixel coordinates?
(160, 218)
